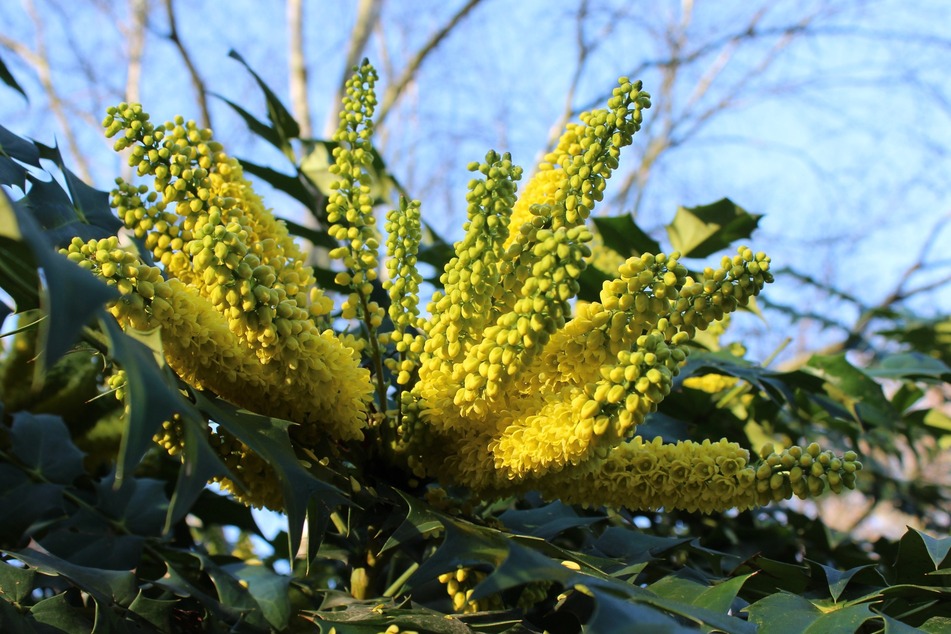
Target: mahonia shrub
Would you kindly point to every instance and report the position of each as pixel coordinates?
(505, 384)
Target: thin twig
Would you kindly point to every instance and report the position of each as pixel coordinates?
(395, 89)
(40, 61)
(298, 67)
(200, 93)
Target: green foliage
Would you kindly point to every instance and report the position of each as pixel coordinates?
(133, 540)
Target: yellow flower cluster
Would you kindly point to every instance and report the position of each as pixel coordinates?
(515, 395)
(326, 392)
(460, 584)
(501, 388)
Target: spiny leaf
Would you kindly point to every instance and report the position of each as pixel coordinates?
(622, 234)
(105, 586)
(267, 588)
(43, 444)
(151, 399)
(284, 126)
(839, 579)
(7, 77)
(701, 231)
(783, 613)
(59, 613)
(15, 583)
(546, 521)
(268, 438)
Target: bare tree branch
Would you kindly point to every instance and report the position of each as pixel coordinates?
(197, 83)
(395, 89)
(39, 59)
(298, 67)
(135, 41)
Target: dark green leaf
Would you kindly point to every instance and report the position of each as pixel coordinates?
(268, 589)
(623, 235)
(18, 148)
(290, 185)
(720, 597)
(268, 438)
(911, 365)
(847, 619)
(89, 205)
(420, 521)
(264, 131)
(465, 545)
(13, 147)
(72, 295)
(546, 521)
(105, 586)
(13, 622)
(783, 613)
(839, 579)
(634, 546)
(678, 589)
(319, 237)
(284, 125)
(43, 444)
(59, 613)
(200, 463)
(936, 548)
(25, 503)
(155, 612)
(86, 539)
(590, 283)
(15, 583)
(855, 389)
(701, 231)
(138, 506)
(611, 612)
(151, 399)
(7, 77)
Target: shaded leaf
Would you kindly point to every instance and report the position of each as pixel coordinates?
(105, 586)
(839, 579)
(268, 438)
(783, 613)
(89, 205)
(59, 613)
(701, 231)
(72, 295)
(15, 583)
(155, 612)
(546, 521)
(43, 444)
(151, 400)
(268, 589)
(7, 77)
(623, 235)
(911, 365)
(284, 126)
(420, 521)
(139, 505)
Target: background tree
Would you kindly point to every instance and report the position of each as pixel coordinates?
(706, 67)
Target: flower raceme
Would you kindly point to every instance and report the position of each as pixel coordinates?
(507, 385)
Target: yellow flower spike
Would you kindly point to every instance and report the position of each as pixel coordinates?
(350, 208)
(471, 278)
(209, 229)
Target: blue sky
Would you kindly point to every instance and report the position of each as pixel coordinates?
(841, 143)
